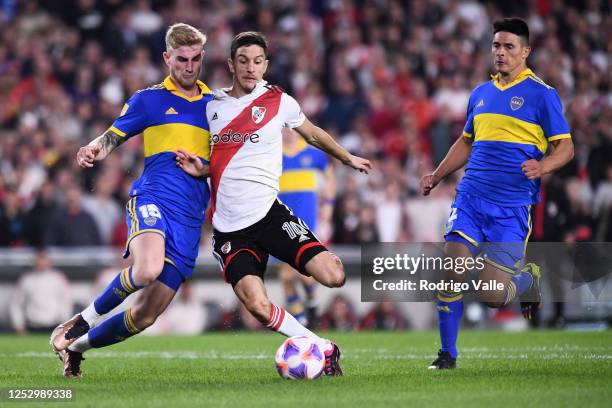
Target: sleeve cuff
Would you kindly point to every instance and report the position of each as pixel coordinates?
(468, 135)
(557, 137)
(117, 131)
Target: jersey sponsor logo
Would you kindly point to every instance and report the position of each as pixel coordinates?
(171, 111)
(516, 102)
(226, 248)
(231, 137)
(480, 104)
(215, 117)
(258, 113)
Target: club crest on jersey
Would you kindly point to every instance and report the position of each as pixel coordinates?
(258, 113)
(227, 247)
(516, 102)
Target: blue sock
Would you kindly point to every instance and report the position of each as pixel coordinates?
(113, 330)
(449, 317)
(519, 284)
(523, 281)
(116, 292)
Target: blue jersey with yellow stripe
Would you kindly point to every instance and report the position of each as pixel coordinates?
(169, 120)
(509, 125)
(298, 183)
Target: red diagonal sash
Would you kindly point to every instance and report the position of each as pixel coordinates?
(222, 153)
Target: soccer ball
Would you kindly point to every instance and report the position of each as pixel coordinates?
(300, 358)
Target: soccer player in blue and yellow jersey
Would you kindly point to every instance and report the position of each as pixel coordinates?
(512, 122)
(303, 166)
(166, 208)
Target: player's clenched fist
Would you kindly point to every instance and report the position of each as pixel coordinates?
(428, 182)
(532, 169)
(86, 155)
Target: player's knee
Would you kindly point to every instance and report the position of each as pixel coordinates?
(145, 272)
(333, 277)
(259, 307)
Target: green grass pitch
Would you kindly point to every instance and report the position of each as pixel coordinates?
(495, 369)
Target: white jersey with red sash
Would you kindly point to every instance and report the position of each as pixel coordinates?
(246, 153)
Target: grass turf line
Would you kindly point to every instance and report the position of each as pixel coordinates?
(383, 369)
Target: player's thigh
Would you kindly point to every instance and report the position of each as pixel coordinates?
(456, 249)
(148, 252)
(238, 256)
(151, 302)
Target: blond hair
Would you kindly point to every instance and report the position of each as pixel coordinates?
(181, 34)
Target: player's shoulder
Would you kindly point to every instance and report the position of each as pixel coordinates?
(147, 93)
(538, 83)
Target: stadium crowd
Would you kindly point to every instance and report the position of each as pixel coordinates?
(389, 79)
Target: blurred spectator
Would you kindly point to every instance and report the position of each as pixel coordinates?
(12, 220)
(42, 298)
(40, 214)
(383, 316)
(102, 206)
(185, 315)
(339, 315)
(71, 225)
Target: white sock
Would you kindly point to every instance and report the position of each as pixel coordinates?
(283, 322)
(90, 315)
(81, 345)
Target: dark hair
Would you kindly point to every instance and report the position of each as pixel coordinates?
(248, 38)
(513, 25)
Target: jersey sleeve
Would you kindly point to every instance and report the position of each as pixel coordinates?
(133, 117)
(468, 129)
(293, 115)
(551, 117)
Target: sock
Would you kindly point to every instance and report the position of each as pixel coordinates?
(282, 322)
(113, 330)
(519, 284)
(296, 308)
(310, 294)
(450, 310)
(115, 293)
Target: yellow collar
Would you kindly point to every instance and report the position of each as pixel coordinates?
(519, 78)
(169, 85)
(297, 148)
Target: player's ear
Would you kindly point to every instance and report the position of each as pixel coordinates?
(166, 58)
(265, 67)
(230, 64)
(526, 51)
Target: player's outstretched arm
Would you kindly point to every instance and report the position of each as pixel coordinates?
(191, 164)
(98, 148)
(322, 140)
(456, 158)
(563, 152)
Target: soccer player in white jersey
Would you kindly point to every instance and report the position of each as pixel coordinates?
(249, 221)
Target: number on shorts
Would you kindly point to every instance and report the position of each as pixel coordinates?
(294, 229)
(149, 210)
